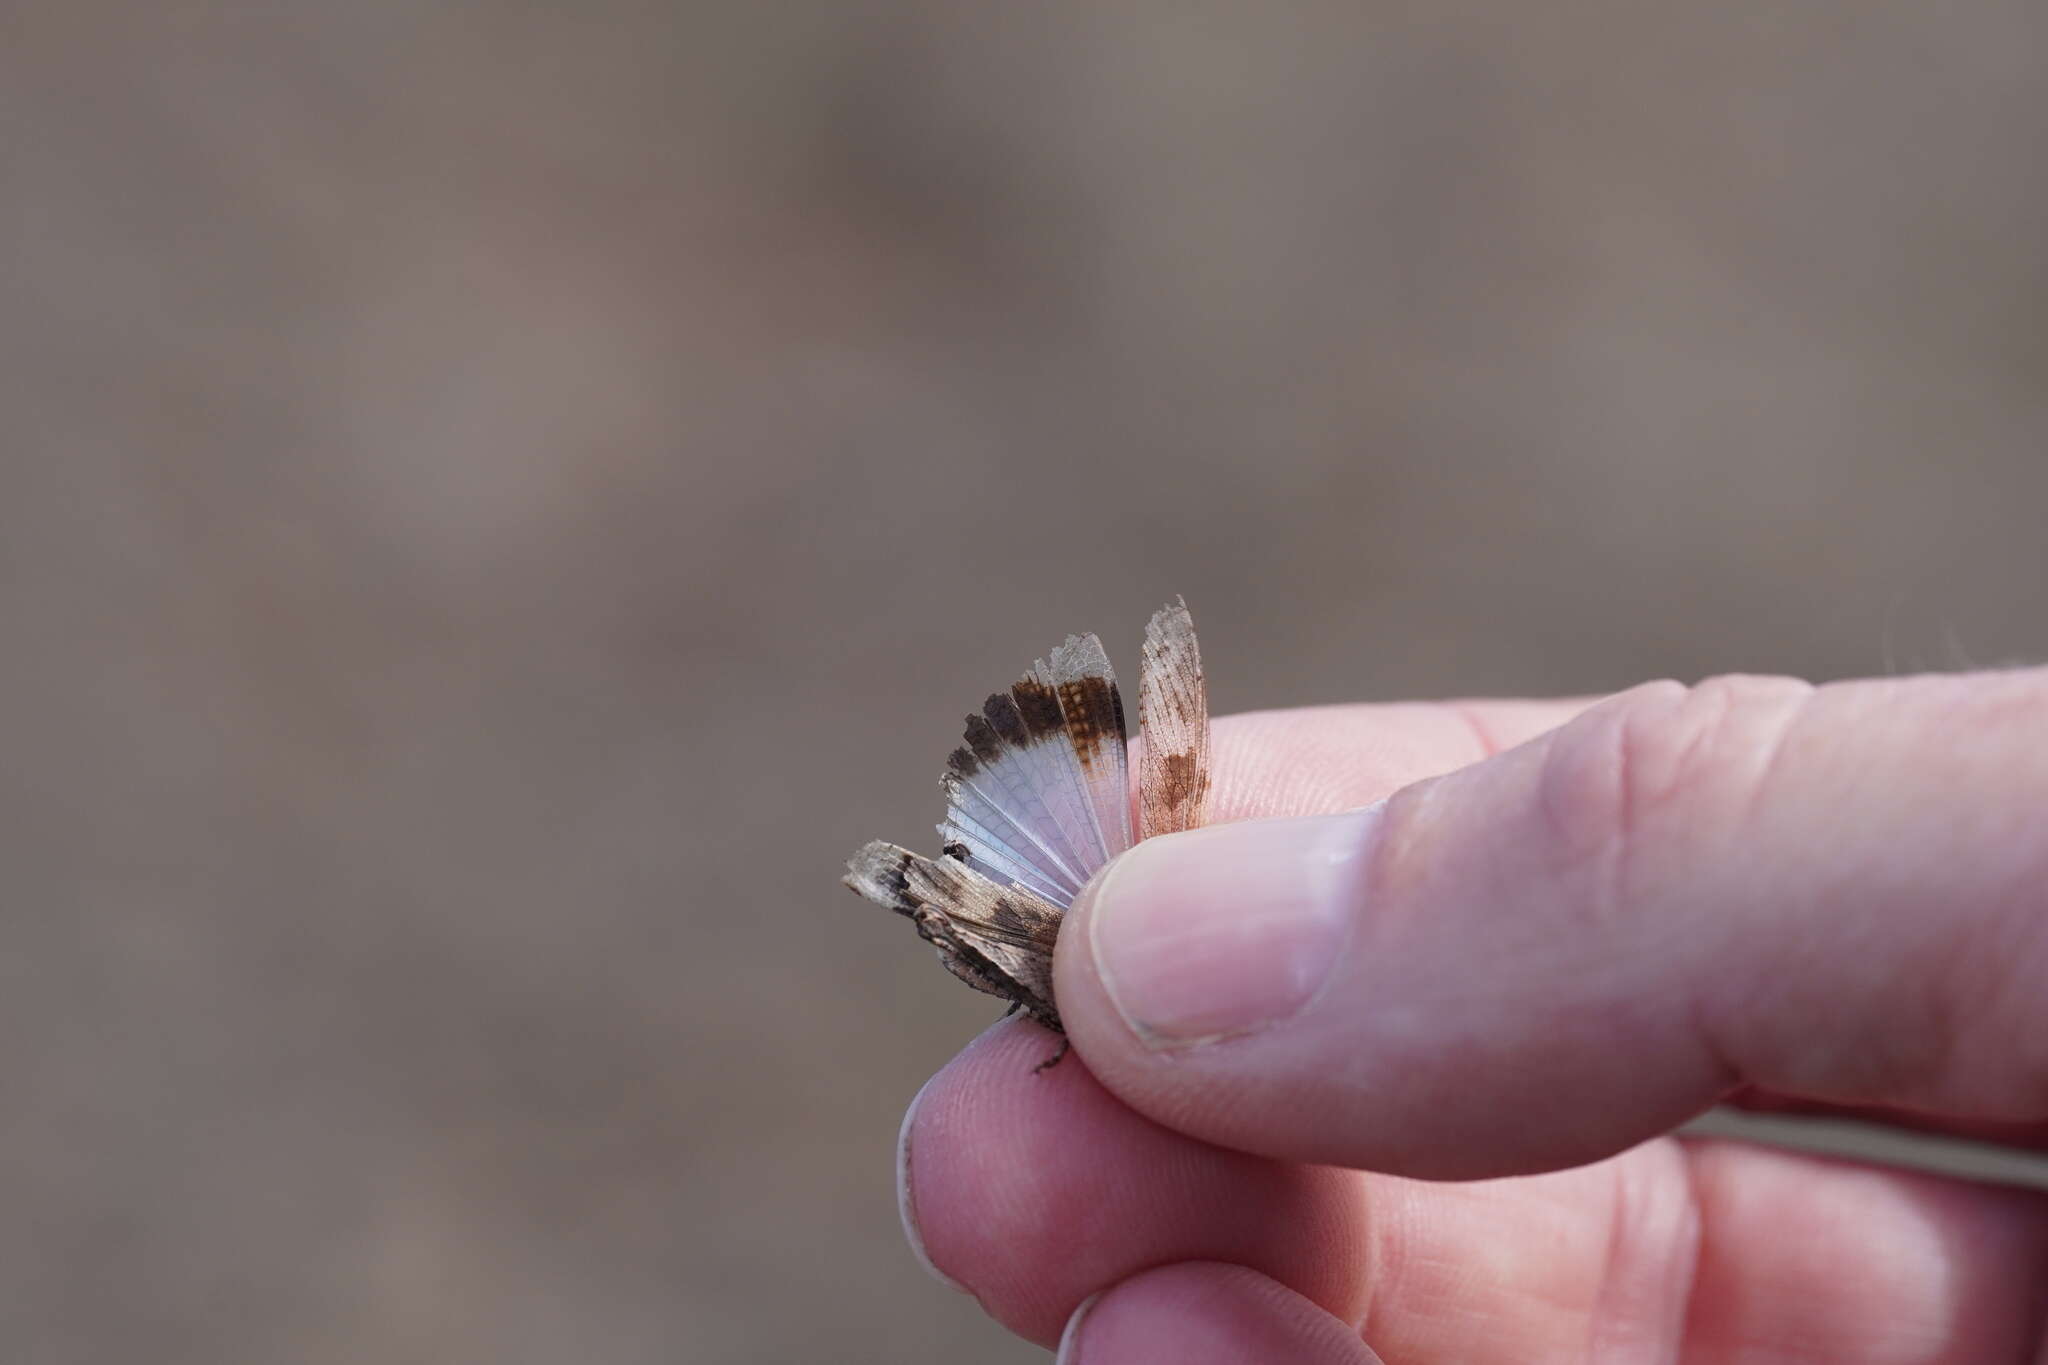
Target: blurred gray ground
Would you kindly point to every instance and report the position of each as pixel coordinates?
(498, 499)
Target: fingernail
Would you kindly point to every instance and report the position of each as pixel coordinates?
(1070, 1340)
(1224, 930)
(906, 1203)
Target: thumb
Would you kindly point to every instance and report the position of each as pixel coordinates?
(1838, 893)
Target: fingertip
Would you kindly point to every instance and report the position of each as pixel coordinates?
(1033, 1190)
(1206, 1314)
(1070, 1338)
(906, 1202)
(1223, 931)
(984, 1167)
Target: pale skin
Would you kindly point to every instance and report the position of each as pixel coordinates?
(1572, 927)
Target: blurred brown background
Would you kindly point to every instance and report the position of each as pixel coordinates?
(499, 499)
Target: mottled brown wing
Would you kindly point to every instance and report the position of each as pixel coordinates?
(1173, 709)
(998, 939)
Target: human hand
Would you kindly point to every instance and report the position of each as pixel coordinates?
(1585, 926)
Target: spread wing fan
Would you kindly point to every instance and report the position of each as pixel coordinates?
(1038, 798)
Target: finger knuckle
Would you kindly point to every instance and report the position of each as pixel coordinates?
(1666, 767)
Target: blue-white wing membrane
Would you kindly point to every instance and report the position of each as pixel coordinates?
(1093, 711)
(1038, 796)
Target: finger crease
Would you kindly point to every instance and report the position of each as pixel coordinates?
(1482, 733)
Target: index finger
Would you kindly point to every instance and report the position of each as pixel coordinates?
(1318, 760)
